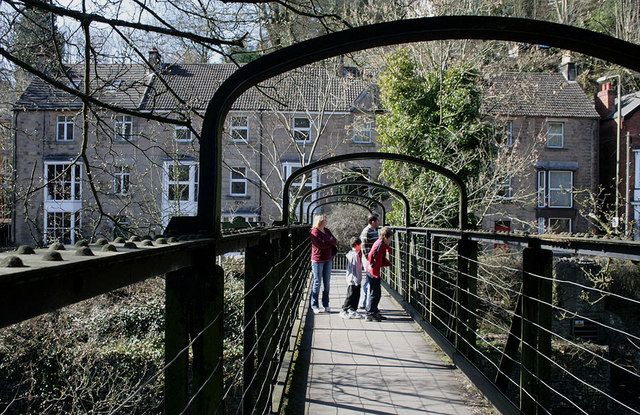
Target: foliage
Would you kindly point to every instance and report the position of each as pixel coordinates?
(435, 117)
(345, 222)
(38, 42)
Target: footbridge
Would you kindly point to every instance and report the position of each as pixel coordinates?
(527, 322)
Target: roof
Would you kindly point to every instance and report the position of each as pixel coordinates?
(630, 103)
(124, 85)
(309, 88)
(536, 94)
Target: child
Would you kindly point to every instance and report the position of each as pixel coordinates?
(377, 260)
(354, 278)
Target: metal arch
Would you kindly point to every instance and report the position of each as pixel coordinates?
(345, 197)
(462, 188)
(335, 202)
(382, 34)
(399, 195)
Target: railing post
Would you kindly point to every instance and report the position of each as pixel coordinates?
(412, 271)
(176, 373)
(434, 266)
(465, 291)
(535, 262)
(253, 262)
(545, 318)
(207, 323)
(397, 263)
(261, 291)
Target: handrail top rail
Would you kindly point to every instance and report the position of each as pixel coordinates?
(618, 248)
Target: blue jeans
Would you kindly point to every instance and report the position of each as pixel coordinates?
(366, 298)
(321, 273)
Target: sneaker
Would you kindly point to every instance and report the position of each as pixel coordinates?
(380, 317)
(370, 317)
(344, 314)
(354, 314)
(316, 310)
(327, 309)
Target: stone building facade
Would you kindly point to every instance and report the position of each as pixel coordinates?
(550, 136)
(135, 173)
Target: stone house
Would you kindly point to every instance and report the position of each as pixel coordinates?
(143, 170)
(549, 148)
(629, 152)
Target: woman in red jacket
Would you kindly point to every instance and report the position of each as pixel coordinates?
(323, 249)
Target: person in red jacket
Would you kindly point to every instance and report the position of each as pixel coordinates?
(323, 249)
(378, 259)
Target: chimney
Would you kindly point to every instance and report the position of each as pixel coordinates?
(605, 100)
(568, 68)
(155, 59)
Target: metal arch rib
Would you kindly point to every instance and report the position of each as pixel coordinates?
(345, 197)
(398, 194)
(412, 30)
(335, 202)
(462, 188)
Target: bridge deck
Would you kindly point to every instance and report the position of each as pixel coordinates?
(356, 366)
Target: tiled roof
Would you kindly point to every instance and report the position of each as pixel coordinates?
(122, 85)
(536, 94)
(308, 88)
(305, 89)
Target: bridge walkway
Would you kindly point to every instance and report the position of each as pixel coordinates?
(353, 366)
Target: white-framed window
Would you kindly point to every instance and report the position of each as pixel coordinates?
(555, 188)
(183, 134)
(121, 180)
(554, 225)
(239, 128)
(64, 128)
(310, 182)
(62, 201)
(302, 129)
(505, 189)
(508, 132)
(63, 226)
(180, 189)
(555, 134)
(123, 127)
(238, 181)
(363, 130)
(64, 181)
(182, 182)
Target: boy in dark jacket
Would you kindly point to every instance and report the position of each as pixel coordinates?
(377, 260)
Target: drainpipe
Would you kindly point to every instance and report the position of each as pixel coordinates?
(12, 237)
(260, 166)
(627, 199)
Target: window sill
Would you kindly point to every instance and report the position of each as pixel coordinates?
(555, 148)
(367, 144)
(239, 197)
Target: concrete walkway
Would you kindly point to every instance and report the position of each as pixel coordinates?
(356, 366)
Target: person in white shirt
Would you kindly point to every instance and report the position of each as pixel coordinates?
(354, 279)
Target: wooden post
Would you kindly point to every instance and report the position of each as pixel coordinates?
(207, 323)
(535, 261)
(176, 374)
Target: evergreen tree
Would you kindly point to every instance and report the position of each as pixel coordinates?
(435, 117)
(38, 42)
